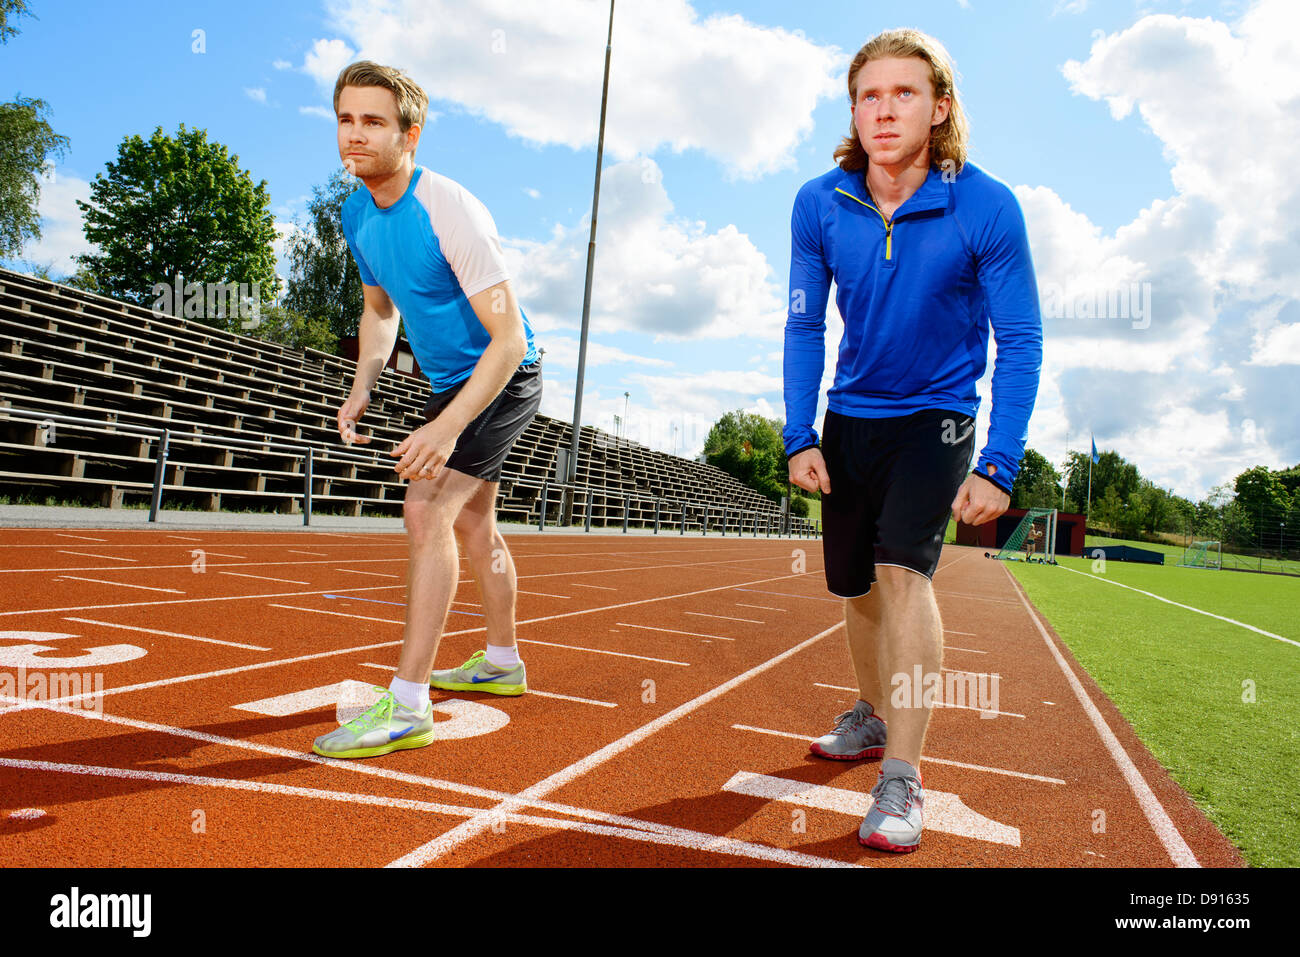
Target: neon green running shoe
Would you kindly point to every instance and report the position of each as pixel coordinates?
(479, 674)
(387, 726)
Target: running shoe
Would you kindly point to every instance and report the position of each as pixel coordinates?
(479, 674)
(386, 726)
(894, 821)
(858, 734)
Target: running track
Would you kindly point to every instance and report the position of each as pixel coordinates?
(676, 683)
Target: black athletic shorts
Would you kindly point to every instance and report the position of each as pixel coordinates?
(481, 449)
(892, 485)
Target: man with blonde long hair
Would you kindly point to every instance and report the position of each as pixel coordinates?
(927, 251)
(426, 246)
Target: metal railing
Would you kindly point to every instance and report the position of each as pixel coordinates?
(772, 522)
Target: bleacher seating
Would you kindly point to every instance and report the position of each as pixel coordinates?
(70, 353)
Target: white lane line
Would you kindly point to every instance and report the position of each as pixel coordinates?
(341, 614)
(542, 594)
(184, 538)
(244, 557)
(84, 538)
(480, 822)
(1161, 823)
(541, 694)
(601, 587)
(924, 757)
(265, 578)
(611, 825)
(100, 581)
(169, 634)
(973, 651)
(297, 551)
(944, 812)
(383, 644)
(1210, 614)
(597, 651)
(472, 604)
(673, 631)
(748, 621)
(741, 604)
(962, 594)
(111, 558)
(265, 787)
(786, 594)
(968, 634)
(357, 571)
(566, 697)
(326, 591)
(937, 703)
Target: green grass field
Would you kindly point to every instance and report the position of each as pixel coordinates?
(1185, 682)
(1174, 554)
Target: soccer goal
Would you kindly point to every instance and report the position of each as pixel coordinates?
(1202, 555)
(1034, 539)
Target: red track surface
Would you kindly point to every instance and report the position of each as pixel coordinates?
(702, 667)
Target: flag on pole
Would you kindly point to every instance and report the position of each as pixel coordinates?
(1094, 450)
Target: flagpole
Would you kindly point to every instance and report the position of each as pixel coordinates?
(572, 477)
(1088, 508)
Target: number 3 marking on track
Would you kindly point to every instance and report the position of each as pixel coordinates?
(31, 655)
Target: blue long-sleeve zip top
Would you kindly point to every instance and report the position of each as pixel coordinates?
(917, 294)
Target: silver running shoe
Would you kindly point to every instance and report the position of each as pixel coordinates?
(894, 821)
(858, 734)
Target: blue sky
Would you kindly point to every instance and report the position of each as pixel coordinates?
(1121, 126)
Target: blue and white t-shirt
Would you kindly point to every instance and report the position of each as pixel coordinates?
(430, 251)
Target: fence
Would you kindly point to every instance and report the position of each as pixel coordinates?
(688, 514)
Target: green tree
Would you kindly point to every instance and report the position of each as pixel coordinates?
(26, 145)
(1290, 480)
(19, 9)
(324, 282)
(178, 207)
(748, 447)
(1109, 471)
(1182, 515)
(1150, 507)
(283, 325)
(1107, 510)
(1037, 484)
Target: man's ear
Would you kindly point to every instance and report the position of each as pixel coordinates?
(941, 110)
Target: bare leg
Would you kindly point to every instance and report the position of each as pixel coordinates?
(433, 572)
(494, 569)
(862, 623)
(912, 634)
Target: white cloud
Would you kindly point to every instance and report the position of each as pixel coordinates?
(62, 235)
(324, 112)
(696, 79)
(1218, 254)
(257, 94)
(669, 277)
(562, 353)
(282, 64)
(326, 60)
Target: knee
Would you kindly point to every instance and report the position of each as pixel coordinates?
(478, 533)
(897, 579)
(427, 521)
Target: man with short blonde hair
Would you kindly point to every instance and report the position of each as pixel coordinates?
(425, 246)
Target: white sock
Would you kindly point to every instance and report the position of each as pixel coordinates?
(502, 657)
(410, 694)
